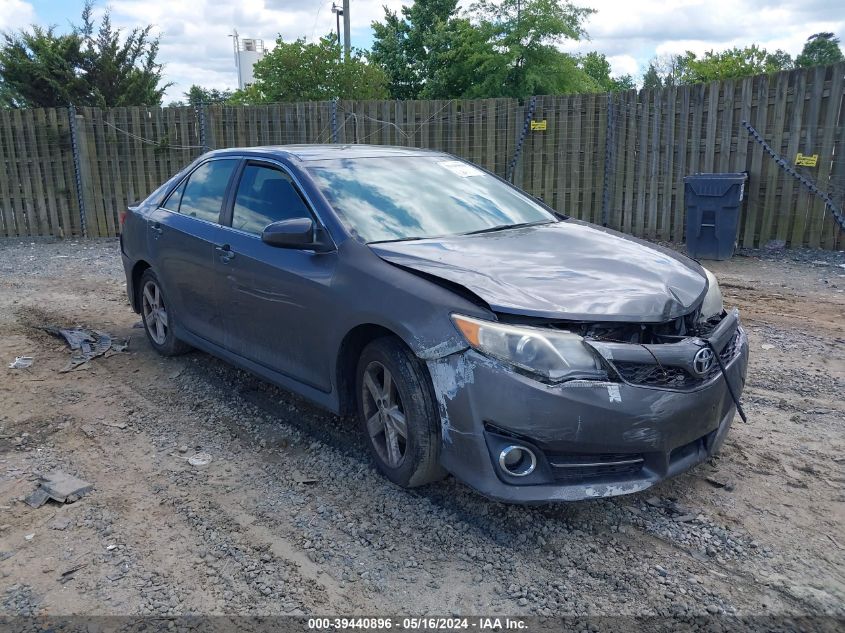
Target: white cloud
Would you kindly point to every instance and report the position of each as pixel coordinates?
(196, 47)
(16, 14)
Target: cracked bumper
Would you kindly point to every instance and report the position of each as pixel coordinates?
(485, 405)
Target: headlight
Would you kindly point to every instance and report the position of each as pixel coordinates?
(712, 304)
(555, 355)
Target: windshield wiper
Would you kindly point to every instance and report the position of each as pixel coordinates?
(504, 227)
(398, 239)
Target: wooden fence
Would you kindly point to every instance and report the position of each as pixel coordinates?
(618, 159)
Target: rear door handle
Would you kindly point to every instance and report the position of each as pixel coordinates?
(225, 252)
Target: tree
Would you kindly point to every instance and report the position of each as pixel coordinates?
(39, 68)
(731, 64)
(598, 68)
(403, 45)
(197, 95)
(652, 78)
(820, 49)
(300, 71)
(526, 34)
(96, 66)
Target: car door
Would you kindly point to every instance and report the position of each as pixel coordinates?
(183, 234)
(274, 296)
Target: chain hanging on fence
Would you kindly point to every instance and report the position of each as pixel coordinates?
(837, 213)
(528, 114)
(74, 148)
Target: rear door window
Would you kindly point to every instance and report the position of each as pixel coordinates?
(205, 190)
(266, 195)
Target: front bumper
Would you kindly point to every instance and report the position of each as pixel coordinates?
(592, 439)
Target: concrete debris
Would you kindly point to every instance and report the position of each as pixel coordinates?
(199, 459)
(86, 344)
(767, 346)
(21, 362)
(60, 487)
(62, 523)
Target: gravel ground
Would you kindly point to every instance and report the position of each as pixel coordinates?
(290, 516)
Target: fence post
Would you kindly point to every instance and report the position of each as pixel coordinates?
(608, 162)
(81, 171)
(529, 112)
(200, 112)
(334, 120)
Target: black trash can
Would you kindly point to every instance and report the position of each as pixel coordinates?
(712, 204)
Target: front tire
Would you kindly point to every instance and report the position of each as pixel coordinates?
(398, 413)
(157, 320)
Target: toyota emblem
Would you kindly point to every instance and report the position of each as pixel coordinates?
(703, 361)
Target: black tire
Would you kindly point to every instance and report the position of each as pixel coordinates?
(160, 337)
(413, 399)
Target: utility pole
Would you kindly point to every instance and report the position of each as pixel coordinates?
(347, 37)
(338, 12)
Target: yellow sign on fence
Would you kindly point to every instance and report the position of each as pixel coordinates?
(538, 126)
(806, 161)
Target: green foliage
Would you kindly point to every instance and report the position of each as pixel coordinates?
(497, 49)
(197, 95)
(821, 48)
(41, 69)
(299, 71)
(598, 68)
(731, 64)
(96, 66)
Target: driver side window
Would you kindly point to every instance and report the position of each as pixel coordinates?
(266, 195)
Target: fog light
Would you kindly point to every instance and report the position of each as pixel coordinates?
(517, 461)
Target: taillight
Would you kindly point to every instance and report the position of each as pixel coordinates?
(123, 218)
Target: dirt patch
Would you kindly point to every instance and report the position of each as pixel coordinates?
(290, 516)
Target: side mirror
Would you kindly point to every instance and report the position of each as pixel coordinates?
(300, 233)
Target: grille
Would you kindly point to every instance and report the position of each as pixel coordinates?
(670, 377)
(574, 466)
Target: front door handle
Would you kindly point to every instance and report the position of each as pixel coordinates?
(225, 253)
(156, 228)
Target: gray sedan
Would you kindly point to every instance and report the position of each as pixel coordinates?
(470, 328)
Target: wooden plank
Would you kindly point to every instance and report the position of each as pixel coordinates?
(39, 203)
(47, 160)
(28, 217)
(7, 178)
(755, 176)
(588, 169)
(533, 154)
(793, 225)
(664, 231)
(563, 163)
(96, 215)
(833, 107)
(550, 147)
(64, 194)
(633, 116)
(698, 96)
(654, 165)
(600, 158)
(682, 133)
(771, 204)
(121, 200)
(576, 205)
(638, 221)
(740, 157)
(620, 130)
(726, 122)
(713, 89)
(806, 200)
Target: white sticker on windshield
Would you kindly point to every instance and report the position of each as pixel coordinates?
(461, 169)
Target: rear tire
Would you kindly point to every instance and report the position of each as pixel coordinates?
(157, 319)
(398, 413)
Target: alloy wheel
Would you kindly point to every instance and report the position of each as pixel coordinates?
(384, 414)
(154, 312)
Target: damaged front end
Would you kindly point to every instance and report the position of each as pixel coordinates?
(655, 402)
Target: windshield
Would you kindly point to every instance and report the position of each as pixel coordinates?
(413, 197)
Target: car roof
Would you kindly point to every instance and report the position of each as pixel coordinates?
(307, 153)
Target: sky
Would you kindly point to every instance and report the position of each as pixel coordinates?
(196, 47)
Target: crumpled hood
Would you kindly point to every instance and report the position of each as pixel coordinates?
(566, 270)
